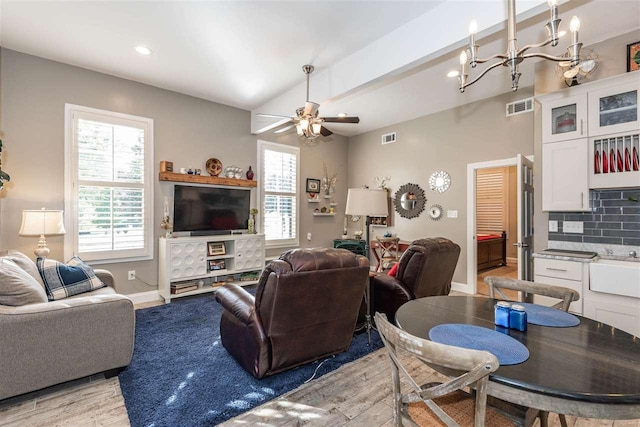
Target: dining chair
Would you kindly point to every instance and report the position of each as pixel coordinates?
(567, 295)
(446, 402)
(389, 251)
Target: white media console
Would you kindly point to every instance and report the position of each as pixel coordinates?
(207, 261)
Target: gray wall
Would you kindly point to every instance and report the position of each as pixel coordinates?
(447, 141)
(613, 60)
(187, 131)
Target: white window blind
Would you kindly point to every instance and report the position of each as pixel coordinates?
(279, 193)
(109, 184)
(491, 200)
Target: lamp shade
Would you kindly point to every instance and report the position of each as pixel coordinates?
(363, 201)
(42, 223)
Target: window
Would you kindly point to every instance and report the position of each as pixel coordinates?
(279, 192)
(108, 185)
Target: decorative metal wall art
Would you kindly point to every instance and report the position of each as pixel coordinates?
(409, 200)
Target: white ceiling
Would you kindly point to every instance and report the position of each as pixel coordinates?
(240, 53)
(385, 61)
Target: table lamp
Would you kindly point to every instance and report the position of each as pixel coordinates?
(42, 223)
(367, 203)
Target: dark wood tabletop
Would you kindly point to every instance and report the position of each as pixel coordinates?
(591, 362)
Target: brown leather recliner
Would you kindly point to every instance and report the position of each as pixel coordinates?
(425, 269)
(305, 308)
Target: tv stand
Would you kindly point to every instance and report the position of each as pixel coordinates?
(209, 262)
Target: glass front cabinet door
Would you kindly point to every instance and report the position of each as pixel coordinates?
(614, 109)
(564, 118)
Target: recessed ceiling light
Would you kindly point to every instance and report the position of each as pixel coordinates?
(143, 50)
(342, 114)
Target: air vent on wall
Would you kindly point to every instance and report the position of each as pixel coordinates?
(388, 138)
(519, 107)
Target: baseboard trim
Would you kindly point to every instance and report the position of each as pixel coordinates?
(461, 287)
(142, 297)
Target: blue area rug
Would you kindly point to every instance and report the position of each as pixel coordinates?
(181, 375)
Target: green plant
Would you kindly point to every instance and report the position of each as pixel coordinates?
(3, 175)
(253, 211)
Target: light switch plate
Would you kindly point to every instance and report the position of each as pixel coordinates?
(553, 226)
(452, 214)
(573, 227)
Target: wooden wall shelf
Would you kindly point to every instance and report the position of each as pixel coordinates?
(201, 179)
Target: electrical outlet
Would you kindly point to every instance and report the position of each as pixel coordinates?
(573, 227)
(452, 214)
(132, 275)
(553, 226)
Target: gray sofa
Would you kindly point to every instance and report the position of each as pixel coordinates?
(46, 343)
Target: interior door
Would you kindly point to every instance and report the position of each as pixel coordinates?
(525, 218)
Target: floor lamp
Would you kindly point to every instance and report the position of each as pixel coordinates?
(367, 203)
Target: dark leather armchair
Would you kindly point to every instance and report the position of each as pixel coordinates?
(305, 308)
(425, 269)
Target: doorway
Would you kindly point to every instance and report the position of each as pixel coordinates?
(499, 221)
(496, 224)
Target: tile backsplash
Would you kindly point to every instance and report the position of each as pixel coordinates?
(614, 219)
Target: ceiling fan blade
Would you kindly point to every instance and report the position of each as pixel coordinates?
(564, 64)
(275, 116)
(310, 108)
(588, 66)
(569, 74)
(341, 119)
(283, 130)
(325, 132)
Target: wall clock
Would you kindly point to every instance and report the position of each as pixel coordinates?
(439, 181)
(435, 212)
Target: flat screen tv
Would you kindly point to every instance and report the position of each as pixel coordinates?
(210, 210)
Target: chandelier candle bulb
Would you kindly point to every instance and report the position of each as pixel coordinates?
(574, 26)
(553, 5)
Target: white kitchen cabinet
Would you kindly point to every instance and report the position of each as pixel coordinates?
(614, 109)
(565, 185)
(620, 312)
(569, 274)
(564, 118)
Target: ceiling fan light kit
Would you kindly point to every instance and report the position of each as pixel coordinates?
(514, 56)
(308, 124)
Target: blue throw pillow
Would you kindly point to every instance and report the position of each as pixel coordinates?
(64, 280)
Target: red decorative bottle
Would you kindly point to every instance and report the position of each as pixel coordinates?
(250, 174)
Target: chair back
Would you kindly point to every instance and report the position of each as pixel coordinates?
(475, 366)
(528, 289)
(426, 268)
(388, 249)
(308, 302)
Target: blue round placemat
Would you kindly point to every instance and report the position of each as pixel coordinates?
(509, 351)
(547, 316)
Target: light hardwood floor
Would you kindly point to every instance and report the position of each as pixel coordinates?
(357, 394)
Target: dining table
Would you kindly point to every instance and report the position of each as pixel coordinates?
(591, 370)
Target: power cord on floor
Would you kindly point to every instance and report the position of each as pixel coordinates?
(318, 367)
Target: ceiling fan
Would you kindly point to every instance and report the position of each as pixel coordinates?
(574, 72)
(306, 121)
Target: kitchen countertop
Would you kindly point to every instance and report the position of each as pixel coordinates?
(587, 260)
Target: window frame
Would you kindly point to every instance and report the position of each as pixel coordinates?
(71, 187)
(266, 145)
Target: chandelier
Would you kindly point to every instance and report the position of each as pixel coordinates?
(514, 56)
